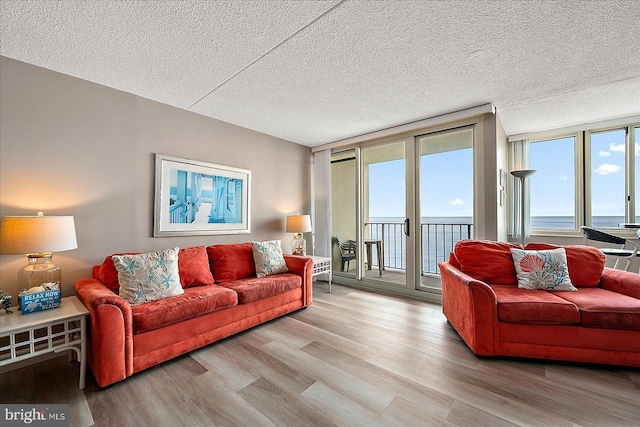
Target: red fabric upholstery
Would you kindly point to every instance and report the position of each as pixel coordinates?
(173, 326)
(490, 262)
(254, 289)
(502, 320)
(110, 342)
(195, 301)
(471, 307)
(108, 273)
(162, 344)
(193, 267)
(454, 261)
(600, 308)
(622, 282)
(231, 262)
(303, 267)
(572, 343)
(585, 263)
(517, 305)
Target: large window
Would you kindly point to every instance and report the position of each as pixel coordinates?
(553, 187)
(589, 177)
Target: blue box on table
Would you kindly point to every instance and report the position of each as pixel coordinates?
(39, 301)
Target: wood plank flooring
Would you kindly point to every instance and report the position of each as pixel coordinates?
(354, 358)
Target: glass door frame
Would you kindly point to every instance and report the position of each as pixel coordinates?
(413, 286)
(418, 239)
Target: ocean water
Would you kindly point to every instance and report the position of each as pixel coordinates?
(439, 235)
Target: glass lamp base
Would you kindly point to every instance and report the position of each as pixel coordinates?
(39, 270)
(299, 246)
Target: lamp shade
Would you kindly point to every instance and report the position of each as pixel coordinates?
(298, 224)
(524, 173)
(37, 234)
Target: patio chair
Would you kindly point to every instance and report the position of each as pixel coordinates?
(347, 252)
(621, 253)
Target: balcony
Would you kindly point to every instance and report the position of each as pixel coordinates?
(437, 241)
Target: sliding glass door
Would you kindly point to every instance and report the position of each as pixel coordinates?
(445, 169)
(385, 224)
(344, 203)
(399, 206)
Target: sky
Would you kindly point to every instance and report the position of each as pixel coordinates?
(446, 180)
(446, 186)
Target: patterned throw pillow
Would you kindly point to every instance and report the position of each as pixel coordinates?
(148, 277)
(268, 258)
(546, 269)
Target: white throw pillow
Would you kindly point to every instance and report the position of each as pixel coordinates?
(268, 258)
(148, 277)
(545, 269)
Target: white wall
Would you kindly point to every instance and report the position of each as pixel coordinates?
(71, 147)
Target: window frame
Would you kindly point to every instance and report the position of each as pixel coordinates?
(579, 184)
(582, 153)
(628, 174)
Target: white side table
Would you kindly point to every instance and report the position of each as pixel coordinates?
(25, 336)
(321, 265)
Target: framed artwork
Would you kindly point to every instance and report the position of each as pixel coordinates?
(197, 198)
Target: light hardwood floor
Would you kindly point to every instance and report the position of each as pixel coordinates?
(354, 358)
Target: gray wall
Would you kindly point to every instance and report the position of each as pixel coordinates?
(71, 147)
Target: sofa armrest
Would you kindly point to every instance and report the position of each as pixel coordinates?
(471, 307)
(303, 267)
(111, 357)
(622, 282)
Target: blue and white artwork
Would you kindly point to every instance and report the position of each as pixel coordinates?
(200, 198)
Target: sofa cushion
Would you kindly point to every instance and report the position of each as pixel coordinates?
(194, 302)
(600, 308)
(148, 277)
(254, 289)
(487, 261)
(231, 261)
(585, 263)
(268, 258)
(194, 268)
(545, 269)
(108, 274)
(516, 305)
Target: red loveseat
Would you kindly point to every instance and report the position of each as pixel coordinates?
(125, 339)
(600, 323)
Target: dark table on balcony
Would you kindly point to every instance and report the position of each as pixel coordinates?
(380, 250)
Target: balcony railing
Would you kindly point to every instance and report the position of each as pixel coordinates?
(438, 240)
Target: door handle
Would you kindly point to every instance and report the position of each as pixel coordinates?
(405, 227)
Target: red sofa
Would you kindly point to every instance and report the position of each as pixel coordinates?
(600, 323)
(125, 339)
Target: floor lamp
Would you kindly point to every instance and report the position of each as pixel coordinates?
(522, 174)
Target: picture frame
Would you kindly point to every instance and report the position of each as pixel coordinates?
(198, 198)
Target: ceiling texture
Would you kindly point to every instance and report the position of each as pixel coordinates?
(315, 72)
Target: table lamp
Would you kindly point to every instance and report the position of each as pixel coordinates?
(299, 224)
(522, 175)
(37, 237)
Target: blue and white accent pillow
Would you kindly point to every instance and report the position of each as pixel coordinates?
(545, 269)
(148, 277)
(268, 258)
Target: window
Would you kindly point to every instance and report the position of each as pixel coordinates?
(553, 187)
(585, 177)
(607, 170)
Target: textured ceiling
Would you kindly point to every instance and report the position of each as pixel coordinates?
(314, 72)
